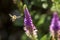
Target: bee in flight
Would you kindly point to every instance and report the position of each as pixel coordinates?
(14, 17)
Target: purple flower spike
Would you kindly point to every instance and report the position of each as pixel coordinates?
(29, 28)
(54, 27)
(54, 23)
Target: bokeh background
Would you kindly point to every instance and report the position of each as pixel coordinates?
(41, 12)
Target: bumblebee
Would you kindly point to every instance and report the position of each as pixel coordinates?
(14, 17)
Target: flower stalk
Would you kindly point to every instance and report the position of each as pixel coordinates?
(29, 27)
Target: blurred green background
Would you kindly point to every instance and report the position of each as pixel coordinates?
(41, 12)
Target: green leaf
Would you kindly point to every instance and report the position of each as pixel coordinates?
(41, 20)
(24, 37)
(45, 37)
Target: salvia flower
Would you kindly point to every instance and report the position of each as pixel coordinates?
(55, 26)
(29, 28)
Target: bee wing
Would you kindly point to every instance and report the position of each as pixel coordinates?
(10, 15)
(18, 17)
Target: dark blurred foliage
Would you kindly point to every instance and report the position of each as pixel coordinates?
(13, 30)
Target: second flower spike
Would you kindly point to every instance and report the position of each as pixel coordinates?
(55, 26)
